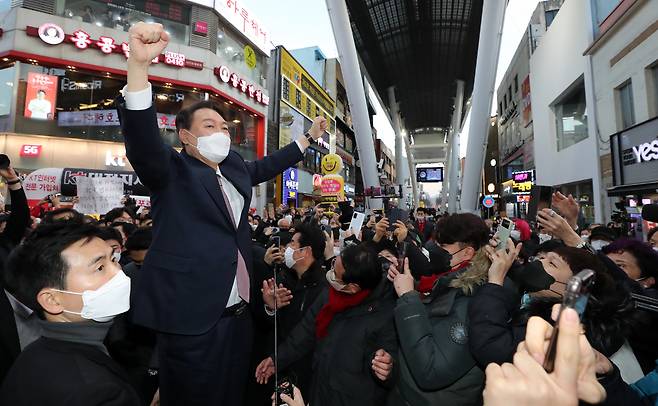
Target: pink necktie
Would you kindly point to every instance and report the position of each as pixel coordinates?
(242, 275)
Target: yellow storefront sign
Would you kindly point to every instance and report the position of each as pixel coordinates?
(303, 93)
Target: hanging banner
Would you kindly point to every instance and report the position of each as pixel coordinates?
(41, 183)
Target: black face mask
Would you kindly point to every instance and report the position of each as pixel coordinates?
(439, 260)
(531, 277)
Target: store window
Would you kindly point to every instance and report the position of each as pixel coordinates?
(7, 75)
(233, 51)
(652, 89)
(571, 116)
(243, 127)
(625, 108)
(80, 104)
(349, 144)
(120, 15)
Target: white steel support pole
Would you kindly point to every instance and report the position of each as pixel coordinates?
(412, 169)
(491, 29)
(447, 167)
(349, 61)
(454, 147)
(393, 105)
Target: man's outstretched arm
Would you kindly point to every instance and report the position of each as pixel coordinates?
(278, 161)
(145, 148)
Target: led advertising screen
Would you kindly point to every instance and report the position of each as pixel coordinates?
(433, 174)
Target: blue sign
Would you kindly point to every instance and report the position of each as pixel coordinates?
(488, 202)
(290, 185)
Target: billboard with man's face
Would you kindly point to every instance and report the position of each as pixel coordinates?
(40, 96)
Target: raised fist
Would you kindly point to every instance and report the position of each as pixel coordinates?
(147, 40)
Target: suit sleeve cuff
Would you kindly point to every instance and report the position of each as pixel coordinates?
(140, 100)
(301, 147)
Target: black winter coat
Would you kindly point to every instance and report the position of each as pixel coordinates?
(61, 373)
(342, 361)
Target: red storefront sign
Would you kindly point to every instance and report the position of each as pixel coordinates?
(107, 45)
(201, 28)
(225, 75)
(30, 151)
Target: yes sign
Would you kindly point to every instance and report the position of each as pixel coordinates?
(646, 152)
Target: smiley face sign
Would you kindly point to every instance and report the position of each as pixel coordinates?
(331, 164)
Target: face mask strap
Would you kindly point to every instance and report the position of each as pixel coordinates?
(66, 291)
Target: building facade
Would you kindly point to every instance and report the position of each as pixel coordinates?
(63, 62)
(625, 71)
(565, 139)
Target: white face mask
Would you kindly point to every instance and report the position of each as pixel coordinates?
(599, 244)
(254, 227)
(324, 222)
(331, 278)
(214, 147)
(336, 251)
(516, 235)
(104, 303)
(287, 256)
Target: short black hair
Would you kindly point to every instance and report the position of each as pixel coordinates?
(117, 212)
(109, 233)
(310, 236)
(49, 217)
(184, 117)
(140, 239)
(465, 228)
(362, 266)
(128, 228)
(421, 209)
(37, 263)
(41, 91)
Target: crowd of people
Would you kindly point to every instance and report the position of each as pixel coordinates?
(201, 301)
(352, 324)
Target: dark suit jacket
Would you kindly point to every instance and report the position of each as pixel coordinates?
(54, 372)
(188, 272)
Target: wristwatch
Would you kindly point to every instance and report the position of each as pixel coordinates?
(309, 138)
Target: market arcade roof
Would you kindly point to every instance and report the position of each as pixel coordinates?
(421, 47)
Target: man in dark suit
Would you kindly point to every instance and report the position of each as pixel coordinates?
(69, 277)
(194, 285)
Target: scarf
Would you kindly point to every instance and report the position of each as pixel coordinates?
(427, 282)
(338, 302)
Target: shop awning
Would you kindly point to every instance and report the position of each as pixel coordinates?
(634, 189)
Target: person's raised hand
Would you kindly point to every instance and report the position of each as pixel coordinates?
(265, 370)
(296, 400)
(404, 282)
(558, 227)
(9, 174)
(501, 261)
(567, 206)
(147, 40)
(527, 383)
(380, 229)
(401, 231)
(275, 298)
(382, 365)
(273, 255)
(320, 125)
(392, 272)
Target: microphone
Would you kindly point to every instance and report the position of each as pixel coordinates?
(650, 212)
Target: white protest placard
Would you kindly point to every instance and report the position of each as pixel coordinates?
(98, 195)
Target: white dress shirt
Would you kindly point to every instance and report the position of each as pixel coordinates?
(142, 100)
